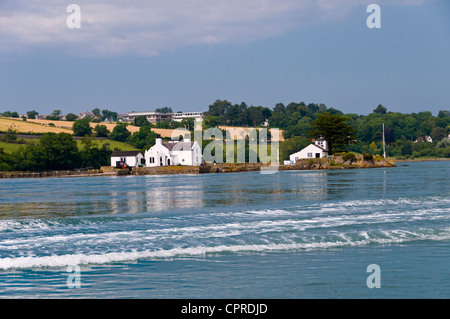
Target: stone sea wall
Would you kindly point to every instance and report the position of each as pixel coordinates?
(333, 162)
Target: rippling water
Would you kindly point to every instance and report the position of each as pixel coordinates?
(294, 234)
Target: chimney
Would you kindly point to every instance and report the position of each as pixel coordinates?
(187, 138)
(158, 141)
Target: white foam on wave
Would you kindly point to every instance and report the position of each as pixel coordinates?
(26, 225)
(344, 240)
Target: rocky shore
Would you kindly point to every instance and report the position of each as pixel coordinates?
(330, 163)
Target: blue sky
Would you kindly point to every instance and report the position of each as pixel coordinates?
(185, 54)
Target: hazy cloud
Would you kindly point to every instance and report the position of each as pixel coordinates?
(116, 27)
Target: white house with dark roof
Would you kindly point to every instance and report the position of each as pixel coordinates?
(317, 150)
(128, 158)
(174, 153)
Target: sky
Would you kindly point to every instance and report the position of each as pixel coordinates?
(185, 54)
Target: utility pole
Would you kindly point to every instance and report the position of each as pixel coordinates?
(384, 147)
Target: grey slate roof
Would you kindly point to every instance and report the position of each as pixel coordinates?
(182, 146)
(125, 153)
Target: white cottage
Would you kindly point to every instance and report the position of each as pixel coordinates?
(128, 158)
(317, 150)
(174, 153)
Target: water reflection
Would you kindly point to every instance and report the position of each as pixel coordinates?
(164, 193)
(147, 194)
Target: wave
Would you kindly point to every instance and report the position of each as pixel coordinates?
(325, 242)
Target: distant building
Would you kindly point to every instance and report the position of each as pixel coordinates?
(152, 116)
(127, 158)
(174, 153)
(155, 117)
(317, 150)
(178, 117)
(82, 115)
(425, 138)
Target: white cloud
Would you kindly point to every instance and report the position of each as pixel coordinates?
(116, 27)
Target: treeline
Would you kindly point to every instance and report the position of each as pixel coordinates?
(96, 116)
(406, 135)
(142, 139)
(56, 152)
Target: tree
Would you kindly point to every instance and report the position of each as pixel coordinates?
(10, 136)
(141, 120)
(219, 108)
(164, 110)
(71, 117)
(6, 161)
(96, 112)
(61, 151)
(109, 115)
(211, 121)
(54, 116)
(53, 152)
(334, 129)
(93, 156)
(120, 133)
(82, 127)
(380, 109)
(101, 130)
(144, 138)
(188, 123)
(32, 114)
(255, 115)
(438, 133)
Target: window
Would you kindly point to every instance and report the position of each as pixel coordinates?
(310, 155)
(152, 160)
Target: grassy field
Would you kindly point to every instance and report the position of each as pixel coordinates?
(112, 145)
(42, 126)
(12, 147)
(29, 127)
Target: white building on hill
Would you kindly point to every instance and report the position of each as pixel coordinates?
(127, 158)
(317, 150)
(174, 153)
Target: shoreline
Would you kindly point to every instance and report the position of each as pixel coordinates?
(422, 160)
(332, 163)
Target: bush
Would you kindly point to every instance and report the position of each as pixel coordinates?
(349, 157)
(120, 133)
(82, 127)
(367, 156)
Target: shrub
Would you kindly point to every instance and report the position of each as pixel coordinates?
(82, 127)
(367, 156)
(349, 157)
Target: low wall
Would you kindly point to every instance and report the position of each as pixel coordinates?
(333, 162)
(63, 173)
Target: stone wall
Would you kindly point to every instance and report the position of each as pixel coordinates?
(63, 173)
(333, 162)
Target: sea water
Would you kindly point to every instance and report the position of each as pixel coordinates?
(293, 234)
